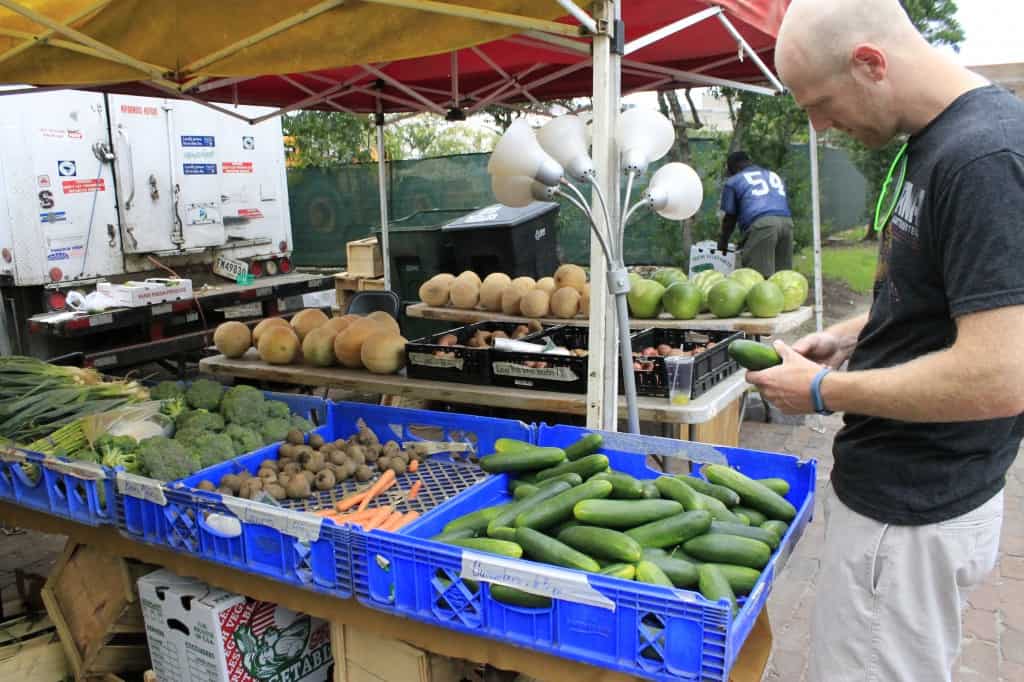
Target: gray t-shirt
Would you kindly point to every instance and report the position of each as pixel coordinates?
(954, 246)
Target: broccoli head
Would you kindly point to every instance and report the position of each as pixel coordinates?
(212, 448)
(173, 407)
(278, 410)
(166, 460)
(301, 423)
(244, 405)
(244, 438)
(166, 390)
(274, 430)
(204, 394)
(199, 420)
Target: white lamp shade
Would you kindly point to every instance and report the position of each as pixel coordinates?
(517, 190)
(644, 137)
(675, 192)
(565, 139)
(519, 153)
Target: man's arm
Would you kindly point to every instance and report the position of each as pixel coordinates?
(728, 226)
(833, 346)
(967, 382)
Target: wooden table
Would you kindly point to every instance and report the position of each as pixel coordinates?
(786, 322)
(712, 418)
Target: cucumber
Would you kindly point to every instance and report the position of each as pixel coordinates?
(587, 445)
(766, 536)
(680, 491)
(624, 513)
(714, 586)
(602, 543)
(624, 571)
(540, 547)
(778, 485)
(525, 490)
(744, 519)
(727, 497)
(507, 517)
(648, 572)
(511, 445)
(741, 578)
(672, 531)
(682, 573)
(559, 508)
(655, 552)
(454, 535)
(678, 553)
(753, 355)
(572, 478)
(719, 510)
(514, 597)
(531, 488)
(503, 533)
(475, 521)
(777, 527)
(754, 517)
(585, 467)
(624, 486)
(502, 547)
(729, 549)
(555, 530)
(515, 484)
(753, 494)
(651, 491)
(522, 460)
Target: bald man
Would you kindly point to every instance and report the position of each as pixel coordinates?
(934, 389)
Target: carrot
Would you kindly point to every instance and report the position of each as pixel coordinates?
(407, 518)
(414, 490)
(325, 512)
(394, 521)
(413, 466)
(377, 519)
(350, 501)
(386, 480)
(357, 516)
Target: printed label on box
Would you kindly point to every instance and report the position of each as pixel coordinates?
(535, 579)
(513, 369)
(430, 360)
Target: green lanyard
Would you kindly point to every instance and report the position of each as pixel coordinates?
(891, 190)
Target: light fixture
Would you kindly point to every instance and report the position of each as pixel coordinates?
(565, 139)
(644, 136)
(518, 190)
(675, 192)
(519, 153)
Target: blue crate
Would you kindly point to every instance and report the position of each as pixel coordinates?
(79, 491)
(653, 632)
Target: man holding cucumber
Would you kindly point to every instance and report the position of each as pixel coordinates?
(932, 397)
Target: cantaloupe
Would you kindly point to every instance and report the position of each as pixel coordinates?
(307, 320)
(348, 345)
(385, 320)
(497, 277)
(383, 352)
(266, 324)
(565, 303)
(511, 299)
(465, 294)
(318, 347)
(278, 346)
(525, 283)
(570, 275)
(546, 284)
(585, 301)
(445, 278)
(491, 291)
(535, 303)
(470, 276)
(337, 324)
(232, 339)
(434, 291)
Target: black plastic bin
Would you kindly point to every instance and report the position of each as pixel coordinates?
(460, 364)
(516, 241)
(709, 367)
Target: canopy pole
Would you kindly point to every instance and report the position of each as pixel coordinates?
(602, 381)
(812, 146)
(756, 58)
(382, 185)
(47, 34)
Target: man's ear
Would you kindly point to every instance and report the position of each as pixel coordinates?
(869, 61)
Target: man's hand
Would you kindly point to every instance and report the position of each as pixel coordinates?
(824, 348)
(788, 386)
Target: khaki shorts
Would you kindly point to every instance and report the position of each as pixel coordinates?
(889, 598)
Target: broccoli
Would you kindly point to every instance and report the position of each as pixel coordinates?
(204, 394)
(300, 423)
(212, 448)
(244, 405)
(173, 407)
(166, 460)
(200, 420)
(244, 438)
(274, 430)
(278, 410)
(167, 390)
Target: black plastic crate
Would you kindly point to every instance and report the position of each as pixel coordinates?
(563, 373)
(709, 367)
(461, 364)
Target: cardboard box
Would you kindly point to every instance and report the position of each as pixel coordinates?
(199, 633)
(149, 292)
(706, 256)
(364, 657)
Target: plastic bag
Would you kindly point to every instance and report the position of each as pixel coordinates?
(93, 302)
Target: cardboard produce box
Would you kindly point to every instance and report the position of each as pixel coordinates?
(199, 633)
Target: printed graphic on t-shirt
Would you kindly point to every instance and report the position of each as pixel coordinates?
(908, 212)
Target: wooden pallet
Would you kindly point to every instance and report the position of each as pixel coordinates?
(93, 602)
(347, 284)
(31, 650)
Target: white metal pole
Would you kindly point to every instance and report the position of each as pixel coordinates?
(602, 383)
(812, 146)
(382, 184)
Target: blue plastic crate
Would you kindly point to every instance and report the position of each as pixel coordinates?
(79, 491)
(644, 630)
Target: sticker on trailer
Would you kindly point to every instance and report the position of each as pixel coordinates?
(65, 253)
(202, 215)
(53, 133)
(139, 111)
(248, 142)
(67, 169)
(199, 169)
(46, 199)
(197, 141)
(80, 186)
(250, 213)
(236, 167)
(200, 154)
(53, 217)
(43, 181)
(75, 134)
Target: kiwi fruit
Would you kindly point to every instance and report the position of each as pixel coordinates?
(338, 457)
(276, 490)
(308, 475)
(283, 478)
(324, 479)
(363, 473)
(206, 485)
(316, 462)
(350, 468)
(269, 464)
(295, 437)
(357, 454)
(383, 463)
(398, 465)
(267, 475)
(366, 436)
(286, 451)
(290, 468)
(298, 488)
(316, 441)
(232, 482)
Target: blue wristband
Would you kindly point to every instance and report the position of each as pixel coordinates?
(816, 399)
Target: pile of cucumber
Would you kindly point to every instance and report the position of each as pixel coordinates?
(570, 509)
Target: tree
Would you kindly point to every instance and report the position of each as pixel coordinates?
(668, 102)
(320, 139)
(428, 135)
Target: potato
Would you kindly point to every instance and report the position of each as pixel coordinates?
(316, 462)
(269, 464)
(363, 473)
(232, 482)
(298, 488)
(206, 485)
(316, 441)
(295, 437)
(338, 457)
(324, 480)
(384, 463)
(277, 491)
(398, 465)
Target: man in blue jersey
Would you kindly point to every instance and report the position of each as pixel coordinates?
(755, 199)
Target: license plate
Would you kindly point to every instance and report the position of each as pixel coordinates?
(245, 310)
(229, 267)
